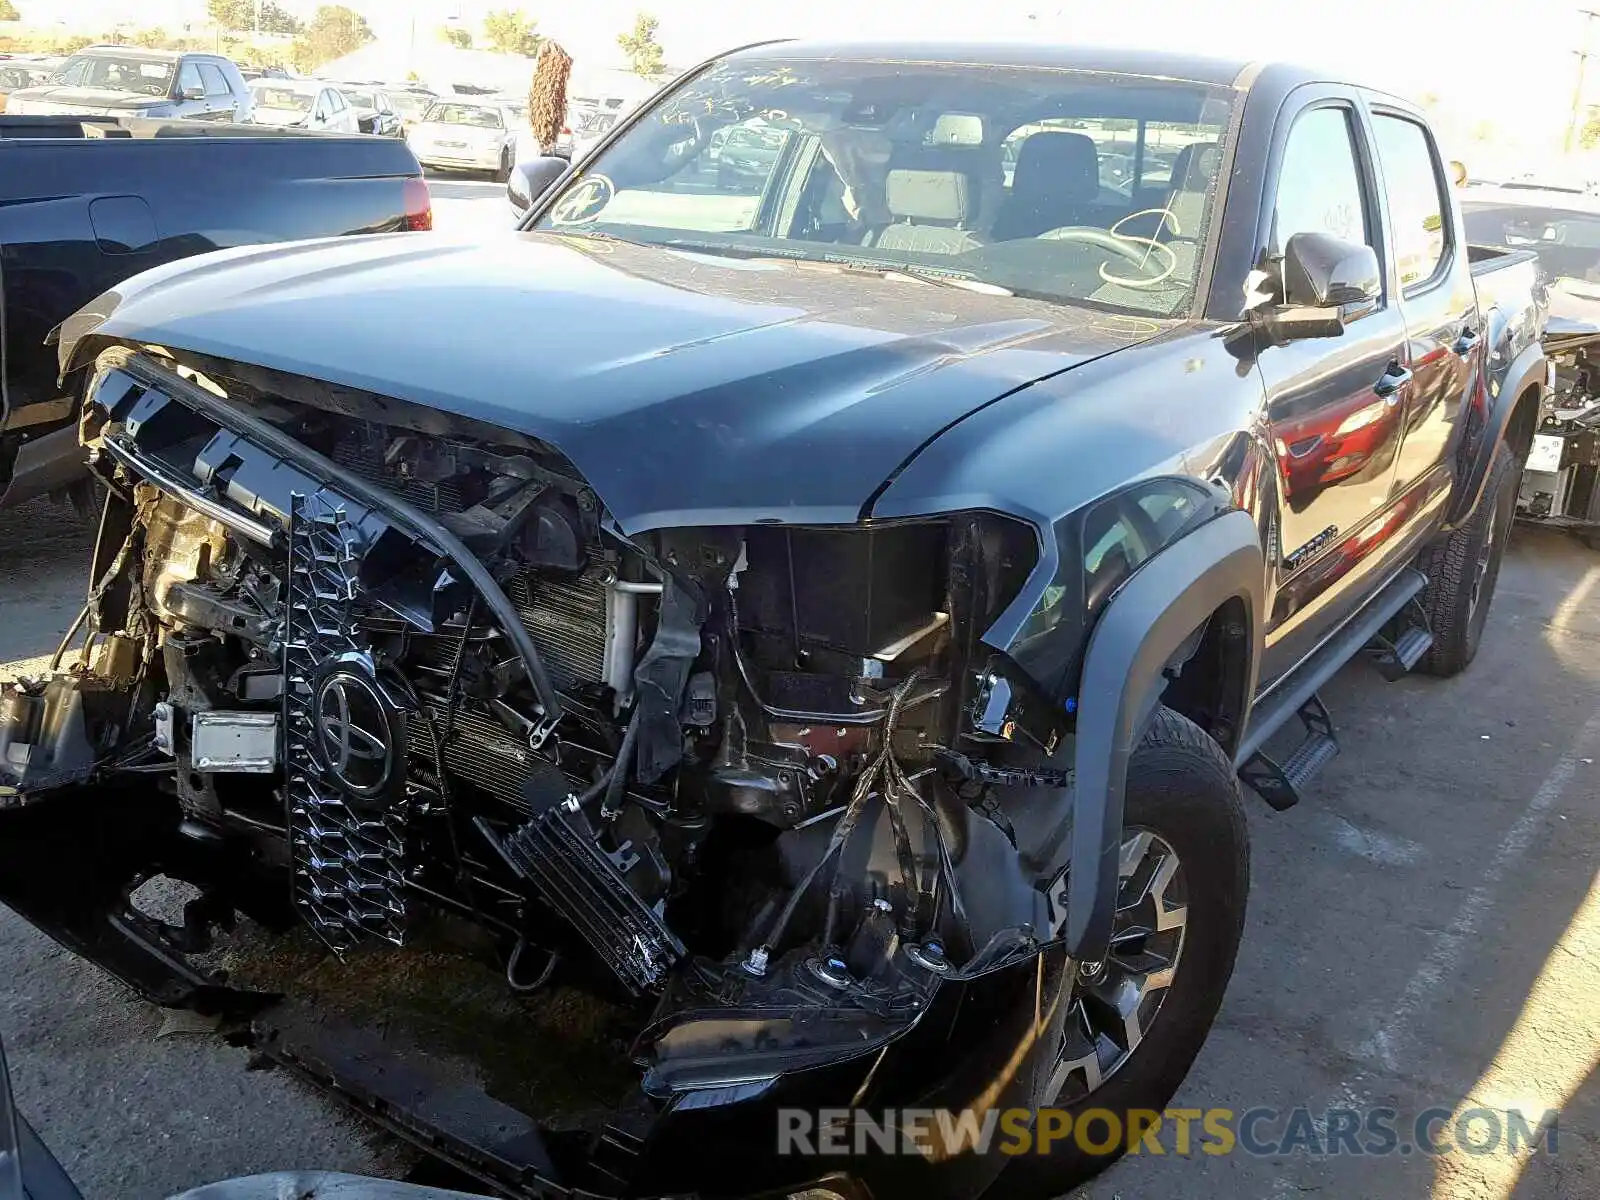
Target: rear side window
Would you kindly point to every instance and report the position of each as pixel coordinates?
(1319, 183)
(216, 83)
(1416, 202)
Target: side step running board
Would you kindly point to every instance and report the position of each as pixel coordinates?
(1395, 653)
(1280, 785)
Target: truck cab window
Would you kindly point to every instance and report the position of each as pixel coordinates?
(216, 84)
(1416, 206)
(1319, 183)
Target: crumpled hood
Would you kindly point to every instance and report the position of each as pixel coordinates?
(688, 390)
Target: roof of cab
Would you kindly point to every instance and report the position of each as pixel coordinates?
(138, 52)
(1121, 60)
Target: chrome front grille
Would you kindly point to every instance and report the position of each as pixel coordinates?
(347, 853)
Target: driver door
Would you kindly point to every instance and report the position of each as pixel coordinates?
(1334, 405)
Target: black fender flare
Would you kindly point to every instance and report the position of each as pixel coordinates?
(1141, 629)
(1526, 369)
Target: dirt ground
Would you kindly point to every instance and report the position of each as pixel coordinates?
(1424, 931)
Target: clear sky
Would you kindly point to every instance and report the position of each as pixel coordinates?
(1509, 63)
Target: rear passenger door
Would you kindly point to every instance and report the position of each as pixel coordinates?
(1332, 403)
(1436, 297)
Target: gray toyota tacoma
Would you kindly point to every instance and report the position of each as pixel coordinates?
(821, 582)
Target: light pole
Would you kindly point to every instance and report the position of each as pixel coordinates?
(1577, 92)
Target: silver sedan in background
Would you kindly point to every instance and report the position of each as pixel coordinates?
(465, 136)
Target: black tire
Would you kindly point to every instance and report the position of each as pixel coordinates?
(1181, 787)
(1463, 568)
(502, 173)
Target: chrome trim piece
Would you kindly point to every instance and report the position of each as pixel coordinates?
(163, 478)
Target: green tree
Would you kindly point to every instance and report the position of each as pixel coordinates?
(8, 11)
(641, 47)
(151, 39)
(456, 36)
(1589, 137)
(244, 14)
(512, 31)
(333, 32)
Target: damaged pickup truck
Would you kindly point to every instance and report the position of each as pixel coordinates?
(836, 590)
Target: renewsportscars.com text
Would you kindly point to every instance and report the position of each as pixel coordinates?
(1262, 1132)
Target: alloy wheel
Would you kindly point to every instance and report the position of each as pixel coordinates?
(1480, 569)
(1115, 1002)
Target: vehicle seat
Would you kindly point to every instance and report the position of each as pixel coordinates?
(1193, 172)
(932, 211)
(1055, 183)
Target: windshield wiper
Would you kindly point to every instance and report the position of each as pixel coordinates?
(965, 282)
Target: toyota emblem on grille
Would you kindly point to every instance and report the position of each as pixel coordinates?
(354, 732)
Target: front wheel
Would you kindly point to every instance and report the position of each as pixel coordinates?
(1136, 1021)
(502, 173)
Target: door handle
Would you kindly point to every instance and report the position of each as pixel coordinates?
(1391, 381)
(1466, 343)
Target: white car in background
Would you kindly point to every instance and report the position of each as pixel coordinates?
(591, 118)
(466, 135)
(303, 104)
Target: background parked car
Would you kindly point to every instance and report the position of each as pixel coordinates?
(19, 73)
(374, 110)
(466, 136)
(410, 101)
(526, 146)
(303, 104)
(591, 118)
(122, 81)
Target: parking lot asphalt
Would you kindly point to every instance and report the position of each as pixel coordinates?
(1424, 933)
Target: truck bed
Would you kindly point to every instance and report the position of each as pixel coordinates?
(1502, 275)
(87, 202)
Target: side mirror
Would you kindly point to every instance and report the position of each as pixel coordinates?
(194, 93)
(532, 179)
(1327, 283)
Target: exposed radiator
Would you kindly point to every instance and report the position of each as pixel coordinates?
(361, 451)
(567, 618)
(482, 752)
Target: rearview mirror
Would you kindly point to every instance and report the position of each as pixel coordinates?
(532, 179)
(1327, 283)
(194, 93)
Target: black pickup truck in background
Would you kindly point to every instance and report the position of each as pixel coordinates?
(87, 202)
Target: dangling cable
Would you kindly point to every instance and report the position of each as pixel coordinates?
(849, 820)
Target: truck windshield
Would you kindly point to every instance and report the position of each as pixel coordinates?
(137, 76)
(1091, 188)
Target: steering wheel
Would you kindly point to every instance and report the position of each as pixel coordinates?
(1126, 246)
